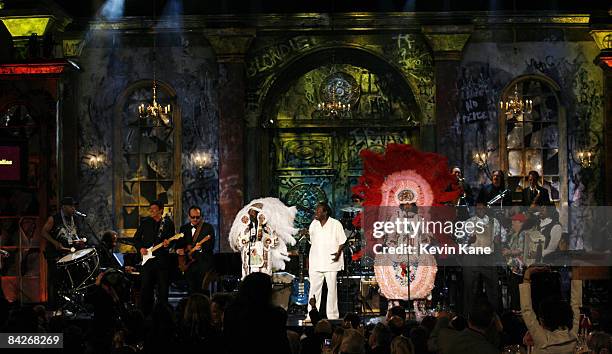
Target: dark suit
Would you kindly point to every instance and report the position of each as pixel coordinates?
(155, 271)
(203, 259)
(529, 195)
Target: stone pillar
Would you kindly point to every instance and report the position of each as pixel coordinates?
(603, 39)
(604, 60)
(230, 46)
(447, 43)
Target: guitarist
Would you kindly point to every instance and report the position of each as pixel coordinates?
(151, 231)
(196, 255)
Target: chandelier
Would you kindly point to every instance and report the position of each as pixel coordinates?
(338, 92)
(153, 110)
(514, 106)
(333, 108)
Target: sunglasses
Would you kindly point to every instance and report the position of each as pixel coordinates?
(195, 217)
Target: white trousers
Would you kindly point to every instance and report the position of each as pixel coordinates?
(316, 286)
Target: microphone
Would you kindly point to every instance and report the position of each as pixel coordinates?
(80, 214)
(497, 197)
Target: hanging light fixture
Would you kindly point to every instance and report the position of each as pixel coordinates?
(154, 110)
(514, 106)
(335, 91)
(339, 92)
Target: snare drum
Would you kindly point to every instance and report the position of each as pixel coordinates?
(78, 270)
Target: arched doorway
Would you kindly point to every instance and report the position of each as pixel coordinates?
(314, 154)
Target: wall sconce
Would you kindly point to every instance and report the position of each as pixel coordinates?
(96, 162)
(586, 158)
(202, 161)
(480, 159)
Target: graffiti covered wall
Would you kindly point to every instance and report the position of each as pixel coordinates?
(119, 61)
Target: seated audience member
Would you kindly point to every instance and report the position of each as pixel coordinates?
(471, 340)
(555, 329)
(337, 337)
(353, 342)
(312, 343)
(396, 325)
(162, 334)
(401, 345)
(218, 304)
(294, 342)
(429, 322)
(351, 320)
(418, 337)
(197, 330)
(396, 311)
(252, 317)
(380, 340)
(600, 343)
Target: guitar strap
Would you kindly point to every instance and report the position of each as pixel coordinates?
(196, 233)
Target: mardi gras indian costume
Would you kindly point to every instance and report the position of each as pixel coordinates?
(402, 183)
(261, 232)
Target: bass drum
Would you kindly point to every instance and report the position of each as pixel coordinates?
(119, 282)
(78, 271)
(406, 279)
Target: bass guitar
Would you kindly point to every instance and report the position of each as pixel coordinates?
(185, 261)
(301, 286)
(150, 250)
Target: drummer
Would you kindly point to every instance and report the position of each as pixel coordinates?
(61, 233)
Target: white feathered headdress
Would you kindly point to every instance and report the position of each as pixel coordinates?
(279, 218)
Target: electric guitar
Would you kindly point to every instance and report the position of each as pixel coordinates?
(185, 261)
(301, 286)
(152, 249)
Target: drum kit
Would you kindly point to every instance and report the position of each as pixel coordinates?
(356, 263)
(77, 273)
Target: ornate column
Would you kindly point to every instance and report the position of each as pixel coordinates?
(447, 43)
(230, 46)
(603, 38)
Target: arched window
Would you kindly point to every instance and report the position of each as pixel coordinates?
(535, 141)
(147, 159)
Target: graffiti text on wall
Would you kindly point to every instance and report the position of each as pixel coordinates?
(270, 57)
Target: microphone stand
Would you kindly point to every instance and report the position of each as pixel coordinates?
(91, 230)
(250, 243)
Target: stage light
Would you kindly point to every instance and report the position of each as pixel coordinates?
(26, 26)
(112, 9)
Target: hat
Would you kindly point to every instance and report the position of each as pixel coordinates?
(519, 217)
(68, 201)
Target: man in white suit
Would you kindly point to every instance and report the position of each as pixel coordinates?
(327, 239)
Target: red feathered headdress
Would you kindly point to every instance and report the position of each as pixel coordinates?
(404, 168)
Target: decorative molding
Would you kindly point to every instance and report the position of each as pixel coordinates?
(354, 21)
(447, 42)
(603, 38)
(231, 44)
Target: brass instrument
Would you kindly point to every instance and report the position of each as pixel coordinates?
(535, 200)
